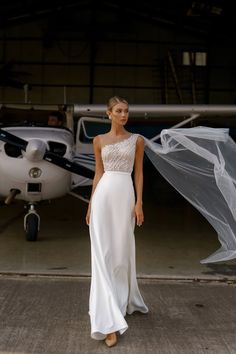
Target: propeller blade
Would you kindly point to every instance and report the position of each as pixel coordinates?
(48, 156)
(12, 139)
(68, 165)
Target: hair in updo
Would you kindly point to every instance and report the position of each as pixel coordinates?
(114, 100)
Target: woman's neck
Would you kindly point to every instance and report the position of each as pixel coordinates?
(117, 130)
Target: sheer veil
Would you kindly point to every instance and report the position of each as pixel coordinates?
(200, 163)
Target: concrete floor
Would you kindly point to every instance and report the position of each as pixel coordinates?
(170, 244)
(47, 315)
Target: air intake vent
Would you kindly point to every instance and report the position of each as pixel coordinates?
(34, 187)
(12, 151)
(57, 148)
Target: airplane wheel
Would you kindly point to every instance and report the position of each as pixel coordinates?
(31, 227)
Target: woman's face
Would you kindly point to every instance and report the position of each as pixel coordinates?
(119, 113)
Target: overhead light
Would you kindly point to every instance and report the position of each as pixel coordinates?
(216, 10)
(199, 8)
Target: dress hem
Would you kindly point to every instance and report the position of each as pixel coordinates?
(98, 335)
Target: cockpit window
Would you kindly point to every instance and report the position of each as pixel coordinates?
(89, 129)
(57, 148)
(12, 150)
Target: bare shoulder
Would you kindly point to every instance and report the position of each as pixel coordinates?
(140, 141)
(97, 141)
(98, 138)
(139, 146)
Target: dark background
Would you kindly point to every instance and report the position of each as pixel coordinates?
(68, 51)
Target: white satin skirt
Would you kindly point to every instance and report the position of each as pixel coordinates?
(114, 290)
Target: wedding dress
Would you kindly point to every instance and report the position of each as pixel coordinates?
(200, 163)
(114, 290)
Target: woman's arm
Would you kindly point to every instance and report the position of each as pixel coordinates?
(138, 180)
(99, 170)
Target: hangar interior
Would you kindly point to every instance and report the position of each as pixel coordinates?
(61, 53)
(86, 51)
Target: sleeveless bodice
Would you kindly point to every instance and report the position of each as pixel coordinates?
(120, 156)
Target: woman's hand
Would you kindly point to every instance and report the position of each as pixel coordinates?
(87, 218)
(138, 211)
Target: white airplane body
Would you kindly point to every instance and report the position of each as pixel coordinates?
(16, 171)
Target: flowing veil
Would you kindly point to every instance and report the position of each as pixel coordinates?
(200, 163)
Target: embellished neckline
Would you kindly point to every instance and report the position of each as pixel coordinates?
(118, 142)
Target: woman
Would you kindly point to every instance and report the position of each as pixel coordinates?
(111, 217)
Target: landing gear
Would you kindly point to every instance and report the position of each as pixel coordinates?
(31, 224)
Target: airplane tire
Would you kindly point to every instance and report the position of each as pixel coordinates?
(31, 227)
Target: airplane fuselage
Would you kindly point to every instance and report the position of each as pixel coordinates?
(26, 171)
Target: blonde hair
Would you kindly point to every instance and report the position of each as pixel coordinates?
(114, 100)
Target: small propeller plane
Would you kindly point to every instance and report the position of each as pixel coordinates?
(39, 162)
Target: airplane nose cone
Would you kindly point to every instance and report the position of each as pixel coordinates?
(35, 150)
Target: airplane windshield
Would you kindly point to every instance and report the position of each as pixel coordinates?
(89, 129)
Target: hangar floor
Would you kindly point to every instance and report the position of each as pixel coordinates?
(170, 244)
(46, 315)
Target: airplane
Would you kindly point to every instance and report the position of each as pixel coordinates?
(40, 162)
(36, 164)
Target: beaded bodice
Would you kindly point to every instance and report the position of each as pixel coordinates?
(120, 156)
